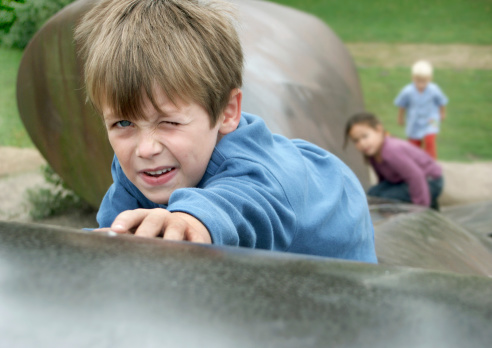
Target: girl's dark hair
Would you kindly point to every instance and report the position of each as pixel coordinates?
(362, 117)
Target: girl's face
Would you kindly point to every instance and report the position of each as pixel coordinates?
(366, 139)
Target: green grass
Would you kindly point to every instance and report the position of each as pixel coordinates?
(12, 132)
(466, 134)
(411, 21)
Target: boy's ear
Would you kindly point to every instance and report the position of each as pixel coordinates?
(232, 113)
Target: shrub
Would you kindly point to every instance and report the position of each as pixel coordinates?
(7, 14)
(21, 19)
(54, 198)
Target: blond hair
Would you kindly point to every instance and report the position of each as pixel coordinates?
(422, 68)
(189, 48)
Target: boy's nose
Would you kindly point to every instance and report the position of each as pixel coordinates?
(148, 146)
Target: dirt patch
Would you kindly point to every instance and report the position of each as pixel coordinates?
(466, 183)
(20, 171)
(404, 55)
(17, 160)
(13, 205)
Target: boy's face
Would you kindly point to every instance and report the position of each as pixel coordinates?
(168, 150)
(421, 82)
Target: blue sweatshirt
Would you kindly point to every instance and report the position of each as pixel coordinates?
(262, 190)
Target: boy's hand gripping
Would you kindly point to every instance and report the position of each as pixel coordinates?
(161, 223)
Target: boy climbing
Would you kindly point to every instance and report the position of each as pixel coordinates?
(189, 165)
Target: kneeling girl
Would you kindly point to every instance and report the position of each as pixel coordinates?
(406, 173)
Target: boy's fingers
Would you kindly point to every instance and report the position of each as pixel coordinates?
(175, 229)
(129, 220)
(195, 232)
(105, 229)
(160, 222)
(179, 229)
(153, 224)
(194, 236)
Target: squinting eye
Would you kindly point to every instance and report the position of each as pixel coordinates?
(171, 123)
(123, 124)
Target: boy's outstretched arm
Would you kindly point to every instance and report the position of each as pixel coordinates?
(161, 223)
(401, 116)
(442, 112)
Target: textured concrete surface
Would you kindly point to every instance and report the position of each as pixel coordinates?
(411, 236)
(475, 217)
(64, 288)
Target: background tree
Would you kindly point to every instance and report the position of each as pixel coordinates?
(21, 19)
(7, 14)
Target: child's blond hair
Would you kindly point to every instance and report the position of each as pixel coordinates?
(422, 68)
(189, 48)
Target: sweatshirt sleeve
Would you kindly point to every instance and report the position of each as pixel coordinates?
(116, 200)
(240, 199)
(414, 176)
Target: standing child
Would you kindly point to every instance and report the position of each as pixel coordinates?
(424, 105)
(189, 164)
(406, 173)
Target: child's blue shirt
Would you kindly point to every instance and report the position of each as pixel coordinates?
(262, 190)
(422, 109)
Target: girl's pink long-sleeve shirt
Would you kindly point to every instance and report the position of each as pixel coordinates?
(404, 162)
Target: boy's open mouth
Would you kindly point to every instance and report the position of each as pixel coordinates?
(158, 173)
(158, 176)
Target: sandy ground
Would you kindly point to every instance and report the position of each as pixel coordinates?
(20, 171)
(404, 55)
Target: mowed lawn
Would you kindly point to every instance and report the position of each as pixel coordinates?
(395, 21)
